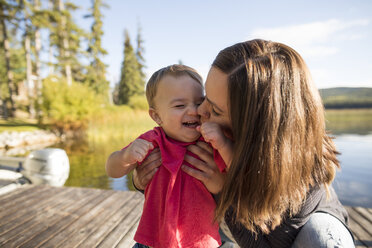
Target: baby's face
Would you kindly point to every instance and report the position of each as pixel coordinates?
(176, 103)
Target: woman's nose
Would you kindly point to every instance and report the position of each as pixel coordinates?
(203, 110)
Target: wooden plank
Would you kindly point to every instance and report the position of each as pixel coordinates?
(362, 221)
(124, 226)
(365, 213)
(30, 228)
(360, 235)
(41, 221)
(45, 216)
(28, 203)
(19, 192)
(66, 224)
(127, 240)
(83, 201)
(26, 213)
(14, 192)
(127, 200)
(369, 210)
(90, 222)
(24, 195)
(359, 244)
(26, 229)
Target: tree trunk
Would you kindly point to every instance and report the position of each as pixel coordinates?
(65, 50)
(30, 86)
(38, 65)
(7, 63)
(50, 64)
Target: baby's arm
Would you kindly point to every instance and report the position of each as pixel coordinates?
(120, 163)
(213, 134)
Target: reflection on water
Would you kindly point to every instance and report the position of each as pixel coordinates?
(353, 183)
(353, 132)
(87, 164)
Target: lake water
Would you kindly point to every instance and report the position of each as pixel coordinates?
(353, 182)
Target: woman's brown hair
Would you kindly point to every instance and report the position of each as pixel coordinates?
(281, 148)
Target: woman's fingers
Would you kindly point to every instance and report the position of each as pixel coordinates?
(150, 167)
(206, 169)
(203, 150)
(143, 174)
(137, 181)
(194, 173)
(205, 146)
(202, 166)
(150, 174)
(154, 155)
(208, 174)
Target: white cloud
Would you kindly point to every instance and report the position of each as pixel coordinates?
(313, 39)
(318, 51)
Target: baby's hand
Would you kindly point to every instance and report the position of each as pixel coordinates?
(213, 134)
(137, 151)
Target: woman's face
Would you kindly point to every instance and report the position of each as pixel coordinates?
(215, 108)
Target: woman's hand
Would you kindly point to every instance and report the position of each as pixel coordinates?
(208, 172)
(143, 174)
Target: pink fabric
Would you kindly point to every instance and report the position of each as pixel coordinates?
(178, 209)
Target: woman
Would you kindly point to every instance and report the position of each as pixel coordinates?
(262, 96)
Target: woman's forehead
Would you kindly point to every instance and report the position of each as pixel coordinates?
(216, 88)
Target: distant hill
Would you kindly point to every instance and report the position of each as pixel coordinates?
(343, 97)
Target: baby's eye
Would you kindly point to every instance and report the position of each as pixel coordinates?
(179, 106)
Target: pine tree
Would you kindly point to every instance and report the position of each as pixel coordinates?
(35, 20)
(139, 54)
(65, 46)
(39, 85)
(130, 80)
(29, 84)
(8, 12)
(97, 69)
(65, 37)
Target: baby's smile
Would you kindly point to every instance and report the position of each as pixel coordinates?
(191, 124)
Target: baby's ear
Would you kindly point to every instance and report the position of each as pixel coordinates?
(155, 116)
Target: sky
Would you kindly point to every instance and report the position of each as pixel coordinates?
(334, 37)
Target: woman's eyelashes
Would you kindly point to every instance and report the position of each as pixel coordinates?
(215, 113)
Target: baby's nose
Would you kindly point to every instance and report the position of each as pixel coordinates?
(193, 110)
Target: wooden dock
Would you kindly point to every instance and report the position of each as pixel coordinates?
(360, 223)
(45, 216)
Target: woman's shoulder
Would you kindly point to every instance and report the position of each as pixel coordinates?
(319, 199)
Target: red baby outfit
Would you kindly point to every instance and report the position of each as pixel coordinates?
(178, 209)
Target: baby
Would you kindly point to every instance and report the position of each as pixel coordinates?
(178, 209)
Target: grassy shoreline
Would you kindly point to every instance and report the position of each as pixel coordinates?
(124, 123)
(351, 121)
(18, 125)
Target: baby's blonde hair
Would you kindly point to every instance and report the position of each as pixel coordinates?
(172, 70)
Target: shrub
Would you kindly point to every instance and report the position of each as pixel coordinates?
(138, 102)
(68, 108)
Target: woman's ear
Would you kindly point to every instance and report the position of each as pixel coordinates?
(155, 116)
